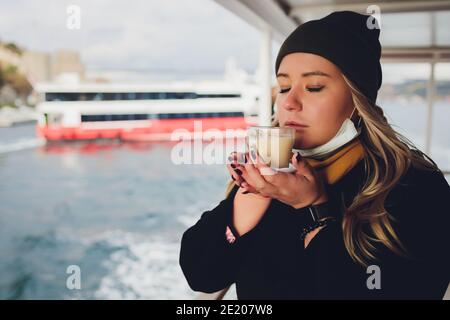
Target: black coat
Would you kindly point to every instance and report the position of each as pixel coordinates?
(270, 261)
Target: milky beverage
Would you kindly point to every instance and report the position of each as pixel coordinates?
(274, 145)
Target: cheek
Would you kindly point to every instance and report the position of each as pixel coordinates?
(322, 111)
(326, 116)
(324, 125)
(280, 111)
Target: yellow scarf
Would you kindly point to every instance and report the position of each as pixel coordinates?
(333, 168)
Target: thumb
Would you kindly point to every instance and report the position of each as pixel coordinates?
(302, 166)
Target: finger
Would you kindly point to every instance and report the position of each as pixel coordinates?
(235, 175)
(236, 157)
(263, 168)
(254, 177)
(259, 162)
(246, 177)
(302, 166)
(248, 188)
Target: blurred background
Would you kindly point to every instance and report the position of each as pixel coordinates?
(91, 93)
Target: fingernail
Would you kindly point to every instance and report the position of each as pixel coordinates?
(239, 172)
(298, 157)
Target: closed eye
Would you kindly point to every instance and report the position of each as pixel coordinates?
(314, 89)
(309, 89)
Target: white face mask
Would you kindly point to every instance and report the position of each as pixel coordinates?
(346, 133)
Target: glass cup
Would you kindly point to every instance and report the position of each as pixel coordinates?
(273, 145)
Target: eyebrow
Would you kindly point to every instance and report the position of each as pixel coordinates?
(306, 74)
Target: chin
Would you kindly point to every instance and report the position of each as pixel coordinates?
(302, 142)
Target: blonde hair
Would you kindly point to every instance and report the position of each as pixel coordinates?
(388, 155)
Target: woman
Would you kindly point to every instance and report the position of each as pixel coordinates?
(364, 216)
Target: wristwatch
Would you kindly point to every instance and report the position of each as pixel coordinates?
(321, 211)
(319, 216)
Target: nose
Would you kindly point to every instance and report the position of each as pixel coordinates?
(292, 100)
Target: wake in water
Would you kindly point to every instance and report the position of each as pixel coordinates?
(21, 144)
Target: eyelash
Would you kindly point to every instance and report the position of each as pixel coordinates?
(312, 90)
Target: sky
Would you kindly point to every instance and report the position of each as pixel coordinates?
(155, 34)
(190, 36)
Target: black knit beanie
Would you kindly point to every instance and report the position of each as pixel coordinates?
(345, 39)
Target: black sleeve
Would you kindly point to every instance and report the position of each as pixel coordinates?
(420, 208)
(210, 262)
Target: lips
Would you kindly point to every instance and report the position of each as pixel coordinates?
(294, 124)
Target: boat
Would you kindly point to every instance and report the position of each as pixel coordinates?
(142, 112)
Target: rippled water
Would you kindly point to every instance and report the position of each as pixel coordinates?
(117, 211)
